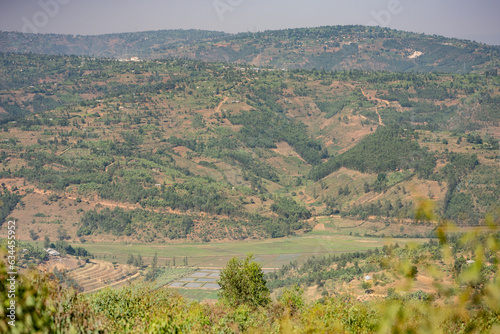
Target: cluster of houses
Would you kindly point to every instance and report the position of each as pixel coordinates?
(130, 59)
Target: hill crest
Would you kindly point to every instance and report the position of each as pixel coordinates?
(322, 48)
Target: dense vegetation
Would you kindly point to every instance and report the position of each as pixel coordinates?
(388, 149)
(172, 139)
(456, 204)
(8, 202)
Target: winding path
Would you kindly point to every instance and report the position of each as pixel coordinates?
(376, 108)
(220, 104)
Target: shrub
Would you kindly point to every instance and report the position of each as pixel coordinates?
(242, 282)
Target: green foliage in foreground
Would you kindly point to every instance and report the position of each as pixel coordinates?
(26, 302)
(470, 305)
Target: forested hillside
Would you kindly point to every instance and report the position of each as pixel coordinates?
(181, 149)
(323, 48)
(360, 165)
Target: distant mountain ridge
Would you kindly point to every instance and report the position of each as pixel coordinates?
(322, 48)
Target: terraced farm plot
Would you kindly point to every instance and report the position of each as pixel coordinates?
(198, 294)
(285, 259)
(207, 280)
(202, 279)
(96, 275)
(212, 286)
(167, 275)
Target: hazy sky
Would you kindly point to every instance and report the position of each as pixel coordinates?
(471, 19)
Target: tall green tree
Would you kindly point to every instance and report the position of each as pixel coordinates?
(242, 283)
(131, 259)
(138, 262)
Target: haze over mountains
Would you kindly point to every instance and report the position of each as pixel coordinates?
(324, 48)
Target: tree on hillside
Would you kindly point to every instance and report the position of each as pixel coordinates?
(138, 262)
(154, 263)
(46, 242)
(242, 282)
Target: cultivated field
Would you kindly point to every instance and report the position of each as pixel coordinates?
(96, 275)
(271, 253)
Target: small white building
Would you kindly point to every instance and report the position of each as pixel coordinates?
(52, 252)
